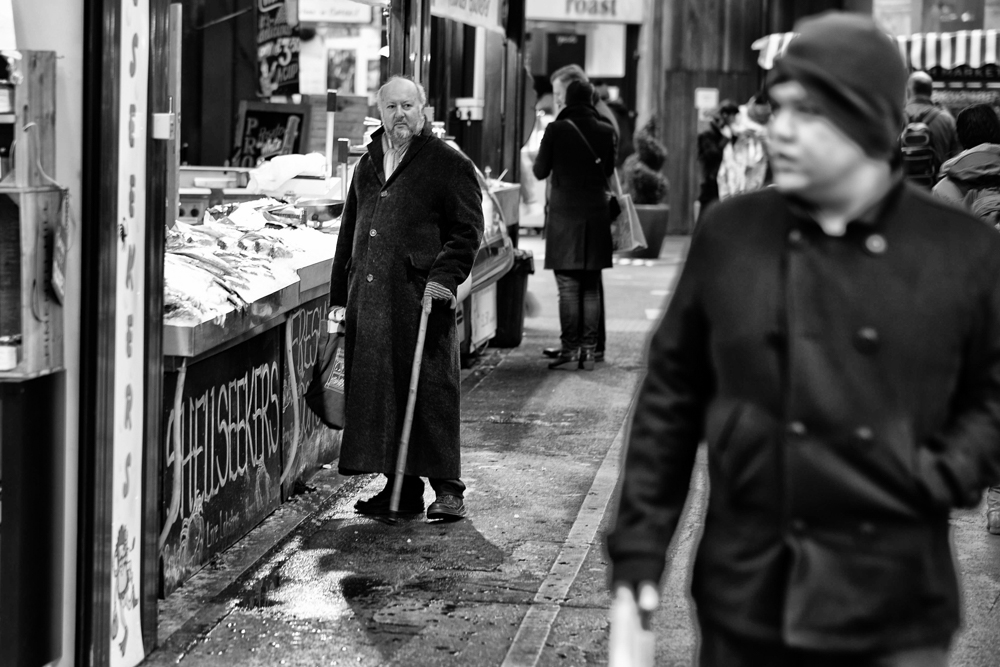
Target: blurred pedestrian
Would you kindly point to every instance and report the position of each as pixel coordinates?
(835, 339)
(977, 167)
(561, 79)
(972, 179)
(744, 165)
(411, 229)
(577, 154)
(711, 143)
(624, 118)
(929, 137)
(566, 75)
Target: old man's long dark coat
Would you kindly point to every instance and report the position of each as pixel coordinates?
(849, 392)
(423, 224)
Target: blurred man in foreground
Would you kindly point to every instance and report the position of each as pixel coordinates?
(836, 341)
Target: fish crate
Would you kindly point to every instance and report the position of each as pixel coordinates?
(31, 314)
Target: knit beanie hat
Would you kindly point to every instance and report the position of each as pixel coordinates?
(579, 92)
(854, 73)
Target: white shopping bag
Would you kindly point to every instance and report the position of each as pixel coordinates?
(631, 642)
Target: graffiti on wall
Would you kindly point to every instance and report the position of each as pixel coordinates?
(307, 441)
(221, 453)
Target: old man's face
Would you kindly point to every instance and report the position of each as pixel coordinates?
(402, 112)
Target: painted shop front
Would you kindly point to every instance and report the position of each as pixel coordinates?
(143, 428)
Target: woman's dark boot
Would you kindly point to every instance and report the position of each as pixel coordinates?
(567, 359)
(587, 359)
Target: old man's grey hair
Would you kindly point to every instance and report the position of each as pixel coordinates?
(421, 93)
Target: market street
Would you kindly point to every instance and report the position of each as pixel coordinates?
(522, 580)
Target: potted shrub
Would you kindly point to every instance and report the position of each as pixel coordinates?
(642, 177)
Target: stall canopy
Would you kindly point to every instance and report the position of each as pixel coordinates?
(920, 51)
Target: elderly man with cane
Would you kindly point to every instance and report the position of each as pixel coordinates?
(410, 230)
(835, 340)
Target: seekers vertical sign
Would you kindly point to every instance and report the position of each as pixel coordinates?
(278, 46)
(130, 337)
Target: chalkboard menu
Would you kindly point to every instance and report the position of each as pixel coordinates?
(221, 464)
(265, 129)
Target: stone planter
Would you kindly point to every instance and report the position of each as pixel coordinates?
(653, 219)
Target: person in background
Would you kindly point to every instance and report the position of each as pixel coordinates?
(972, 179)
(566, 75)
(624, 118)
(711, 143)
(835, 340)
(940, 123)
(561, 79)
(978, 165)
(577, 154)
(410, 230)
(744, 166)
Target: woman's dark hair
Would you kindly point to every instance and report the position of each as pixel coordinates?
(579, 92)
(977, 124)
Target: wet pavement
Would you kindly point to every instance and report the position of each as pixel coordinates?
(522, 581)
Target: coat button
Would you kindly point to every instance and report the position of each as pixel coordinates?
(866, 528)
(373, 232)
(384, 193)
(876, 244)
(866, 340)
(798, 525)
(863, 435)
(369, 277)
(795, 238)
(797, 429)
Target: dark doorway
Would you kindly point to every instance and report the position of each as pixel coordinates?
(566, 48)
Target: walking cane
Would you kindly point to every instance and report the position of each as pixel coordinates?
(411, 399)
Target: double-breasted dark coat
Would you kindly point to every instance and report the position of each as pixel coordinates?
(848, 389)
(577, 223)
(424, 223)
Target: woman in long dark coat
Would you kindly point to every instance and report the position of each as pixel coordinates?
(577, 154)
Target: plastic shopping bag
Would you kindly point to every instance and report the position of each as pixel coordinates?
(325, 394)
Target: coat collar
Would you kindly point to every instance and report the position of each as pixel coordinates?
(378, 155)
(873, 216)
(579, 111)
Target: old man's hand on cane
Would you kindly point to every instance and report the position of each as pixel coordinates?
(439, 292)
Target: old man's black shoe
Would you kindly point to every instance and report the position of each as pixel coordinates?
(378, 505)
(447, 508)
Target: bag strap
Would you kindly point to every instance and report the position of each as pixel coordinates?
(613, 186)
(597, 160)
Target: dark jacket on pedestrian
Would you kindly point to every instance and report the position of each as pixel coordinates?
(423, 224)
(848, 389)
(626, 144)
(578, 223)
(944, 137)
(711, 144)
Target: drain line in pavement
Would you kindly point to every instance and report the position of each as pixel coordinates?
(529, 641)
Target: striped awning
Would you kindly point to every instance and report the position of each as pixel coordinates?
(920, 51)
